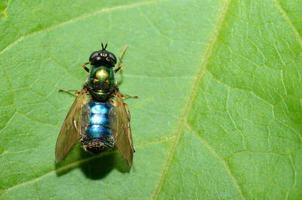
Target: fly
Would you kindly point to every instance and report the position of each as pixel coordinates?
(98, 117)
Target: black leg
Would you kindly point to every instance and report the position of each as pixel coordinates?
(85, 67)
(70, 92)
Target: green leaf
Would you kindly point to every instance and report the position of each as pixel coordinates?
(220, 108)
(3, 6)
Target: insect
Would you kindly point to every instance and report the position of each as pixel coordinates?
(98, 117)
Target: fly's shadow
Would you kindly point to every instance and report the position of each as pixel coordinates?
(93, 166)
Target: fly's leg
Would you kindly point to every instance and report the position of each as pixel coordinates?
(119, 66)
(120, 81)
(120, 61)
(126, 96)
(70, 92)
(85, 67)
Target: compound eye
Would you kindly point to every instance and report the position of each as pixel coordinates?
(112, 58)
(94, 56)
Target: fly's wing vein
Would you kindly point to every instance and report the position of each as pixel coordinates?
(70, 130)
(120, 125)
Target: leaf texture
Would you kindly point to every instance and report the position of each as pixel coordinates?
(219, 114)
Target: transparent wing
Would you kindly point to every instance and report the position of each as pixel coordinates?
(70, 130)
(120, 126)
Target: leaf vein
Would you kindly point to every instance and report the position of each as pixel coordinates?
(188, 106)
(288, 20)
(79, 162)
(219, 158)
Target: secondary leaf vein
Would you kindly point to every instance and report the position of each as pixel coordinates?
(100, 11)
(288, 20)
(219, 158)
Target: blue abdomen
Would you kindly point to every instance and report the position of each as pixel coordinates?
(98, 120)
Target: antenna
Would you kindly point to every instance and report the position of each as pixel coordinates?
(104, 46)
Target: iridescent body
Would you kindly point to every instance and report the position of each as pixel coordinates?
(98, 117)
(96, 132)
(98, 125)
(101, 82)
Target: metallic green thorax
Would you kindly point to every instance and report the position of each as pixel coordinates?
(101, 82)
(94, 71)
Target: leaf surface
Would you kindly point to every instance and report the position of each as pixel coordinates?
(219, 114)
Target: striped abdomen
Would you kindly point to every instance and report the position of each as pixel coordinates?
(97, 135)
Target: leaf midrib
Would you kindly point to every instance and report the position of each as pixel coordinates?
(189, 105)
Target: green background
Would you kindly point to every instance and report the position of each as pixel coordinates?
(220, 108)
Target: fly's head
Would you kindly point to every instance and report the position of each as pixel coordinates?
(103, 58)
